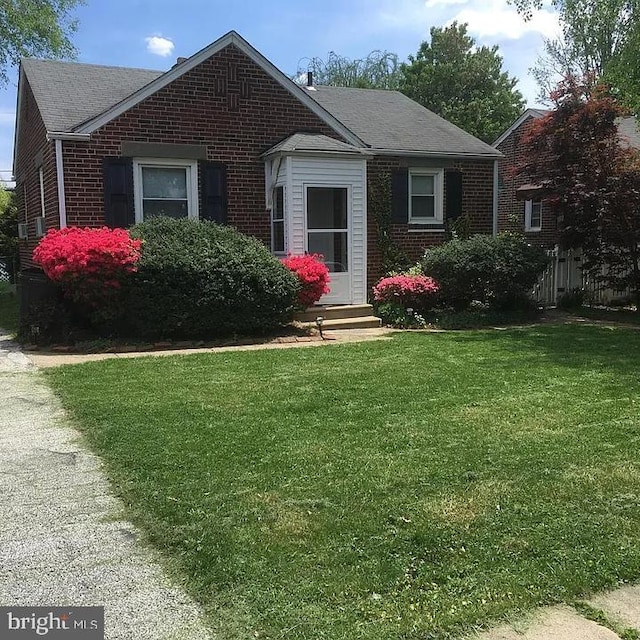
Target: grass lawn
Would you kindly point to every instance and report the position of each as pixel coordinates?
(410, 488)
(8, 309)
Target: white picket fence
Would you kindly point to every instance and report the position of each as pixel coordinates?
(564, 274)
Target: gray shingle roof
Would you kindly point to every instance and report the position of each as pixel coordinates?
(68, 93)
(390, 120)
(311, 142)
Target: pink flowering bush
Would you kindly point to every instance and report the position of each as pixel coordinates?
(415, 291)
(313, 275)
(88, 264)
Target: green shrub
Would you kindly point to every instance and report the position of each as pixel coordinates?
(396, 315)
(499, 271)
(573, 299)
(200, 279)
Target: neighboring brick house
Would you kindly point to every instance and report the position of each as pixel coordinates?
(519, 204)
(226, 136)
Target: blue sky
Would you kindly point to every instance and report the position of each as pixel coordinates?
(152, 33)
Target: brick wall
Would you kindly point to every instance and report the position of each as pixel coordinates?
(236, 128)
(34, 145)
(477, 205)
(194, 110)
(510, 209)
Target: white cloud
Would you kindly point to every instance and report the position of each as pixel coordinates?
(498, 19)
(159, 46)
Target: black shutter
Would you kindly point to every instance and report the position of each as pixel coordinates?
(400, 196)
(453, 182)
(119, 209)
(213, 176)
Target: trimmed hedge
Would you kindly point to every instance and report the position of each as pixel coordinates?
(496, 270)
(201, 279)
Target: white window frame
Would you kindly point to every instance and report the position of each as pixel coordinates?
(438, 186)
(528, 213)
(282, 220)
(190, 166)
(348, 229)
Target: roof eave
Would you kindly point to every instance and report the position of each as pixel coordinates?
(68, 135)
(316, 152)
(452, 155)
(230, 38)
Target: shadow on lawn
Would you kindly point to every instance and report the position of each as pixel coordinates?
(584, 347)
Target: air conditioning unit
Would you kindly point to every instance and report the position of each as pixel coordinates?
(41, 226)
(23, 231)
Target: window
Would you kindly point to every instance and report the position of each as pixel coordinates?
(425, 196)
(327, 226)
(165, 188)
(533, 215)
(277, 221)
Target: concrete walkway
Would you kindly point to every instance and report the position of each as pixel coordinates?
(619, 610)
(63, 541)
(337, 336)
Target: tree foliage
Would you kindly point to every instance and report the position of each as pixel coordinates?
(462, 82)
(378, 70)
(600, 40)
(9, 243)
(591, 180)
(39, 28)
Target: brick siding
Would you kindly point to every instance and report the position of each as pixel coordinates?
(510, 209)
(33, 141)
(477, 205)
(236, 129)
(191, 110)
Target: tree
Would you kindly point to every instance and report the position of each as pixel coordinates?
(462, 82)
(9, 244)
(590, 180)
(378, 70)
(600, 40)
(39, 28)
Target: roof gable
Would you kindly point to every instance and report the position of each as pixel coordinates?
(314, 143)
(627, 128)
(78, 99)
(529, 113)
(231, 38)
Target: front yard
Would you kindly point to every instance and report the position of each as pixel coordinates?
(409, 488)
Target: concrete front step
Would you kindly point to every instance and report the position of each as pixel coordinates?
(363, 322)
(334, 312)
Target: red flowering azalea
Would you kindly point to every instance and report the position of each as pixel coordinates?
(87, 263)
(313, 275)
(407, 290)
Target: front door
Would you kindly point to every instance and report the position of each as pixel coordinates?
(328, 214)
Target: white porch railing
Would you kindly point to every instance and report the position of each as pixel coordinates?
(564, 274)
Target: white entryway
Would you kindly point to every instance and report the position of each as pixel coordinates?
(325, 213)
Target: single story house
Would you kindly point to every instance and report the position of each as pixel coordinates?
(225, 136)
(520, 206)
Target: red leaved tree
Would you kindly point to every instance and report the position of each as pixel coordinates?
(590, 178)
